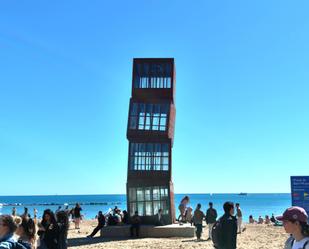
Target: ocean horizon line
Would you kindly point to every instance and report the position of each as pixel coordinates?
(213, 193)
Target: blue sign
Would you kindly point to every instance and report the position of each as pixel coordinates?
(300, 191)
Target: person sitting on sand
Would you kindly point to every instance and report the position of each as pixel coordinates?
(182, 208)
(26, 232)
(101, 224)
(125, 217)
(118, 217)
(273, 219)
(295, 222)
(260, 220)
(135, 224)
(267, 220)
(251, 220)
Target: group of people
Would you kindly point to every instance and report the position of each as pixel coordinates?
(117, 217)
(210, 217)
(223, 232)
(267, 220)
(26, 232)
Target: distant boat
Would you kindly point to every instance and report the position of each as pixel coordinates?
(243, 193)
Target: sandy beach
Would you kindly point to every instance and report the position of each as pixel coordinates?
(254, 237)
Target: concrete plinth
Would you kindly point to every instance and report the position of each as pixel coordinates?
(148, 231)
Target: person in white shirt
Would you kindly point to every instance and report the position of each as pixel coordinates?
(295, 222)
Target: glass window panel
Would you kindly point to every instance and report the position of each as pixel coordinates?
(163, 121)
(142, 147)
(148, 208)
(133, 208)
(140, 208)
(156, 206)
(149, 108)
(131, 163)
(165, 160)
(164, 108)
(164, 147)
(156, 109)
(141, 108)
(164, 207)
(157, 147)
(147, 125)
(134, 109)
(132, 193)
(156, 193)
(147, 194)
(133, 122)
(140, 194)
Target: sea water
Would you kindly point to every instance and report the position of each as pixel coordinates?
(251, 204)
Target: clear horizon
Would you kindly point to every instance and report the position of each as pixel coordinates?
(241, 93)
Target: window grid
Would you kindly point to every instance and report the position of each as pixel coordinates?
(153, 75)
(148, 200)
(149, 156)
(148, 116)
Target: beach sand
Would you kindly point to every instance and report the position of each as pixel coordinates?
(254, 237)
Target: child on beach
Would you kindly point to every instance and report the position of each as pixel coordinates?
(295, 222)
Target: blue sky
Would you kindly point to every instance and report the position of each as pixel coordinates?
(242, 93)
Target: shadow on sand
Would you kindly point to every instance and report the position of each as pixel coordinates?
(89, 241)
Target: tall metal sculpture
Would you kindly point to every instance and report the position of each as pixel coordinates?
(150, 133)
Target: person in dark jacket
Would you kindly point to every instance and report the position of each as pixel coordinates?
(48, 231)
(101, 224)
(229, 227)
(135, 224)
(63, 227)
(211, 217)
(198, 221)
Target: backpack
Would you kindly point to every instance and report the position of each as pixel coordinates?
(216, 233)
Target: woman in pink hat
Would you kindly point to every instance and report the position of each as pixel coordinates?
(295, 222)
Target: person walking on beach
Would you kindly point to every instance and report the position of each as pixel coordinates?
(295, 222)
(77, 215)
(135, 224)
(211, 217)
(227, 234)
(198, 221)
(101, 224)
(239, 217)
